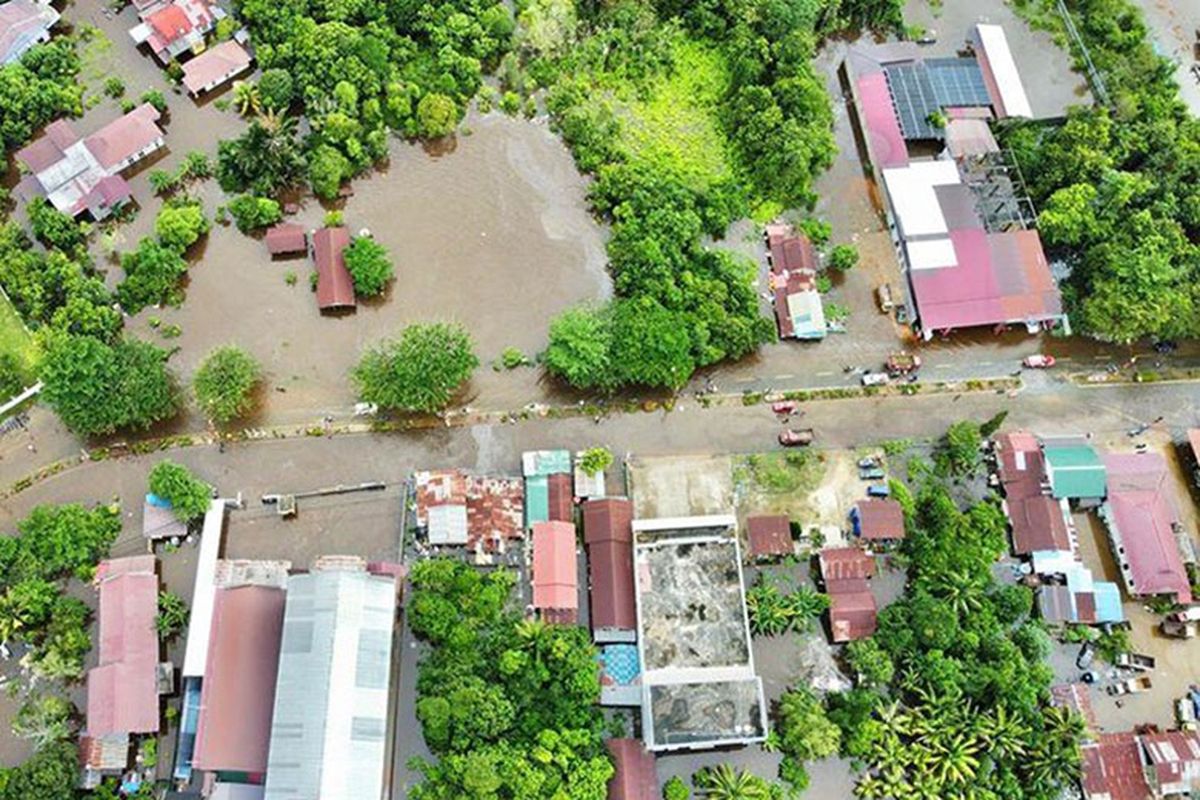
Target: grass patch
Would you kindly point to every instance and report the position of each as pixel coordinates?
(14, 338)
(779, 473)
(675, 124)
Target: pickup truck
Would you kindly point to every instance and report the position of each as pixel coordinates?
(1132, 686)
(1135, 661)
(796, 438)
(902, 363)
(875, 378)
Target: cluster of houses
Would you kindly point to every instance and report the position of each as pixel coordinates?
(179, 29)
(1044, 478)
(326, 246)
(960, 221)
(274, 702)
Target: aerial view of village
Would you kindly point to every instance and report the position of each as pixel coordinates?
(586, 399)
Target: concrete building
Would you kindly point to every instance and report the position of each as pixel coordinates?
(699, 687)
(329, 727)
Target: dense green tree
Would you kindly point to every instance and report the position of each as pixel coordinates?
(276, 89)
(580, 349)
(12, 376)
(224, 383)
(436, 115)
(38, 88)
(250, 212)
(870, 662)
(264, 160)
(55, 229)
(420, 371)
(152, 274)
(98, 388)
(805, 733)
(44, 719)
(180, 225)
(370, 266)
(51, 773)
(189, 496)
(651, 346)
(961, 447)
(327, 168)
(843, 257)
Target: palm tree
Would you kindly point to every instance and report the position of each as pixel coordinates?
(1005, 734)
(723, 782)
(961, 589)
(954, 760)
(871, 787)
(246, 98)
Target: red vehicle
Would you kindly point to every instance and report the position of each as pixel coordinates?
(1039, 361)
(796, 438)
(902, 363)
(785, 408)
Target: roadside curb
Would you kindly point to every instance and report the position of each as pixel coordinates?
(459, 419)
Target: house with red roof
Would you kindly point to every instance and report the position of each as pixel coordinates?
(634, 776)
(335, 287)
(83, 174)
(608, 536)
(554, 573)
(174, 28)
(852, 608)
(1172, 762)
(769, 536)
(1142, 521)
(878, 520)
(1112, 769)
(799, 312)
(122, 689)
(238, 694)
(286, 238)
(1038, 520)
(24, 23)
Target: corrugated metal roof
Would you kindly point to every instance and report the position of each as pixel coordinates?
(1000, 72)
(238, 694)
(545, 462)
(879, 518)
(126, 136)
(122, 690)
(330, 714)
(562, 499)
(555, 575)
(215, 66)
(635, 777)
(1112, 769)
(335, 287)
(1075, 472)
(22, 24)
(769, 535)
(537, 500)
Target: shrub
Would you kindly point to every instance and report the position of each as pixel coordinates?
(437, 115)
(250, 212)
(843, 257)
(225, 382)
(172, 616)
(595, 459)
(369, 266)
(114, 87)
(675, 789)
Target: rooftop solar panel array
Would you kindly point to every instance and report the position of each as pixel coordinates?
(919, 89)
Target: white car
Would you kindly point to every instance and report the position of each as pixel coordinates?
(874, 378)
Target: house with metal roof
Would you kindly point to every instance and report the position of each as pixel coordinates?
(335, 287)
(1112, 769)
(799, 312)
(214, 67)
(852, 608)
(286, 238)
(329, 725)
(545, 462)
(549, 498)
(1075, 472)
(878, 520)
(24, 23)
(961, 222)
(238, 695)
(78, 174)
(769, 536)
(554, 573)
(122, 689)
(1142, 522)
(172, 29)
(634, 777)
(480, 512)
(1172, 760)
(608, 536)
(1038, 520)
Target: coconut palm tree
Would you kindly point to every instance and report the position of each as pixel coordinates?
(723, 782)
(246, 98)
(1005, 734)
(955, 760)
(963, 590)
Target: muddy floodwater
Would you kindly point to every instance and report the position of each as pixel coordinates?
(493, 232)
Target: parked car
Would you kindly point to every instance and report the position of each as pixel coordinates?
(1135, 661)
(868, 462)
(884, 295)
(1039, 361)
(878, 490)
(901, 315)
(875, 378)
(871, 474)
(785, 408)
(796, 438)
(1086, 654)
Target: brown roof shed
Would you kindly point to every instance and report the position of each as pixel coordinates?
(562, 497)
(880, 519)
(238, 697)
(635, 777)
(285, 238)
(769, 535)
(335, 287)
(607, 530)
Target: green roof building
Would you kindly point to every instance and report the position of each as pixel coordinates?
(537, 500)
(1075, 472)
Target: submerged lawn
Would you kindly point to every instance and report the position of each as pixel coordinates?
(13, 336)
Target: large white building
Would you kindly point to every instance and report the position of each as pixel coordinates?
(329, 727)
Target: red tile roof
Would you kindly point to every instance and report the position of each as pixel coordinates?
(286, 237)
(635, 777)
(1144, 513)
(562, 497)
(607, 530)
(122, 690)
(555, 570)
(1112, 769)
(845, 563)
(769, 535)
(170, 23)
(215, 66)
(335, 287)
(120, 139)
(880, 518)
(238, 695)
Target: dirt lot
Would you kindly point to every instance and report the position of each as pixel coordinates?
(680, 486)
